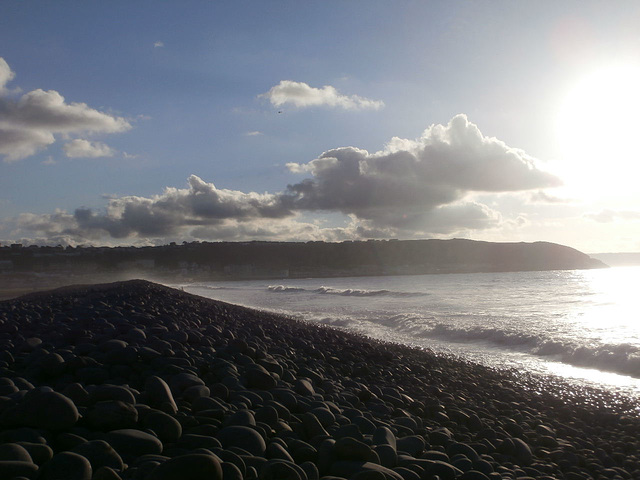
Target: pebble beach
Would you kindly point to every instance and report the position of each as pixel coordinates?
(135, 380)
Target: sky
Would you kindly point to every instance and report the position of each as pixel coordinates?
(144, 123)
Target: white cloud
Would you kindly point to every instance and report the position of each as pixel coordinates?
(300, 94)
(158, 44)
(410, 180)
(80, 148)
(412, 188)
(6, 74)
(30, 123)
(254, 133)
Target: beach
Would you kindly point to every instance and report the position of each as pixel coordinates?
(134, 380)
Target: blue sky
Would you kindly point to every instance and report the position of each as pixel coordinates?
(226, 121)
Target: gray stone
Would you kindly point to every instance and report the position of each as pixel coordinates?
(131, 443)
(158, 394)
(39, 452)
(348, 469)
(348, 448)
(111, 415)
(14, 452)
(102, 393)
(105, 473)
(282, 470)
(243, 437)
(167, 428)
(100, 454)
(47, 410)
(188, 467)
(16, 468)
(66, 466)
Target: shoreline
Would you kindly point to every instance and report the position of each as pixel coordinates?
(323, 402)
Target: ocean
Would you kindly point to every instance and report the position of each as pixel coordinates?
(580, 325)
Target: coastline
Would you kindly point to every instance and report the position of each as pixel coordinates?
(308, 400)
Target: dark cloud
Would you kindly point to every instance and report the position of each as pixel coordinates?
(411, 188)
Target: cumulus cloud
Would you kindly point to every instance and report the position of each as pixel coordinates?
(175, 210)
(158, 44)
(608, 215)
(80, 148)
(30, 123)
(300, 94)
(411, 188)
(410, 180)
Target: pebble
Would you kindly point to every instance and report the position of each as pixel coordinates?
(188, 467)
(135, 381)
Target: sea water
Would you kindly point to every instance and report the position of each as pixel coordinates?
(581, 325)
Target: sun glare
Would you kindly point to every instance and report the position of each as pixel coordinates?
(598, 128)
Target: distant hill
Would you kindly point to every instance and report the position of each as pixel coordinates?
(231, 260)
(618, 259)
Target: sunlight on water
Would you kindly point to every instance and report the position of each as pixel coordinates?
(579, 325)
(613, 381)
(615, 298)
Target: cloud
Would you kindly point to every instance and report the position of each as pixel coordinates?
(158, 44)
(543, 197)
(172, 212)
(411, 188)
(254, 133)
(608, 216)
(408, 181)
(6, 75)
(301, 95)
(29, 124)
(80, 148)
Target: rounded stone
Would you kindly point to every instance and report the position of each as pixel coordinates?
(131, 443)
(17, 469)
(47, 410)
(159, 394)
(231, 472)
(105, 473)
(282, 470)
(188, 467)
(14, 452)
(67, 466)
(111, 415)
(100, 454)
(39, 452)
(111, 392)
(167, 428)
(348, 448)
(244, 437)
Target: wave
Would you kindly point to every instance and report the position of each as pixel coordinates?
(346, 292)
(208, 287)
(622, 359)
(283, 288)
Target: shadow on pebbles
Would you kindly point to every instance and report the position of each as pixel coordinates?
(134, 380)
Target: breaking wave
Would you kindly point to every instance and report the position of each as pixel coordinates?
(623, 358)
(346, 292)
